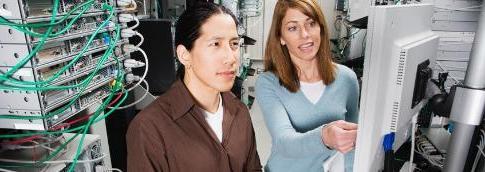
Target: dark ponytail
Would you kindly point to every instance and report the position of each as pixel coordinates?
(187, 28)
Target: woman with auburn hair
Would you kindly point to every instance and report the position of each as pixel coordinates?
(309, 102)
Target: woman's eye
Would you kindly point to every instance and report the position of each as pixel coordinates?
(292, 28)
(313, 23)
(215, 44)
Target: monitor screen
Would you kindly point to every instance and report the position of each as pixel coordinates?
(400, 52)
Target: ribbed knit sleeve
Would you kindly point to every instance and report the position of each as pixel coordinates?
(286, 139)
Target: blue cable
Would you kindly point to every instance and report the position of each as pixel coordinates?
(389, 153)
(388, 141)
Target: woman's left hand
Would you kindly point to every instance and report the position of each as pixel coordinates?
(340, 135)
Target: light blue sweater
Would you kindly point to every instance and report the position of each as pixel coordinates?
(295, 123)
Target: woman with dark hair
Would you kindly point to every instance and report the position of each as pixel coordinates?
(197, 125)
(306, 99)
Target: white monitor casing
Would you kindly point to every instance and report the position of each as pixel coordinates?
(399, 39)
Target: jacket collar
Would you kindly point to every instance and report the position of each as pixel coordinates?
(182, 101)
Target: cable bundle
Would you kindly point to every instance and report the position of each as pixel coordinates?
(107, 34)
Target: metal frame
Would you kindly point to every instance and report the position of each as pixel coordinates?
(465, 122)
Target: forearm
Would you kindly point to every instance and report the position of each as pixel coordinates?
(299, 145)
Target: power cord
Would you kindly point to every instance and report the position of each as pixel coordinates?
(125, 18)
(129, 48)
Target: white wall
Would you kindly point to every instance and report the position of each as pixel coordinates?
(457, 31)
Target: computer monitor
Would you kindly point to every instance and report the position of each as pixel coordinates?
(400, 53)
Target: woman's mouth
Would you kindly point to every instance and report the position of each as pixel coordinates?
(306, 47)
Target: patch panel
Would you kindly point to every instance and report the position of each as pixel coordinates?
(44, 72)
(80, 68)
(89, 62)
(52, 98)
(93, 96)
(90, 65)
(34, 9)
(67, 111)
(69, 36)
(54, 51)
(53, 95)
(77, 44)
(85, 24)
(81, 63)
(72, 27)
(102, 77)
(50, 101)
(51, 52)
(67, 55)
(50, 71)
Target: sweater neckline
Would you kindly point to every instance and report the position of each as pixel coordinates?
(328, 88)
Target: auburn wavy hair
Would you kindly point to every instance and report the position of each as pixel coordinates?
(276, 56)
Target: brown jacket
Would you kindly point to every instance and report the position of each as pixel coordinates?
(171, 134)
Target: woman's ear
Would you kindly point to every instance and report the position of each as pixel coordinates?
(184, 55)
(282, 42)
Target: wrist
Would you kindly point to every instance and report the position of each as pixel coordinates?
(324, 136)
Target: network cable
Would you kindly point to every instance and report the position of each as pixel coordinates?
(8, 82)
(66, 67)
